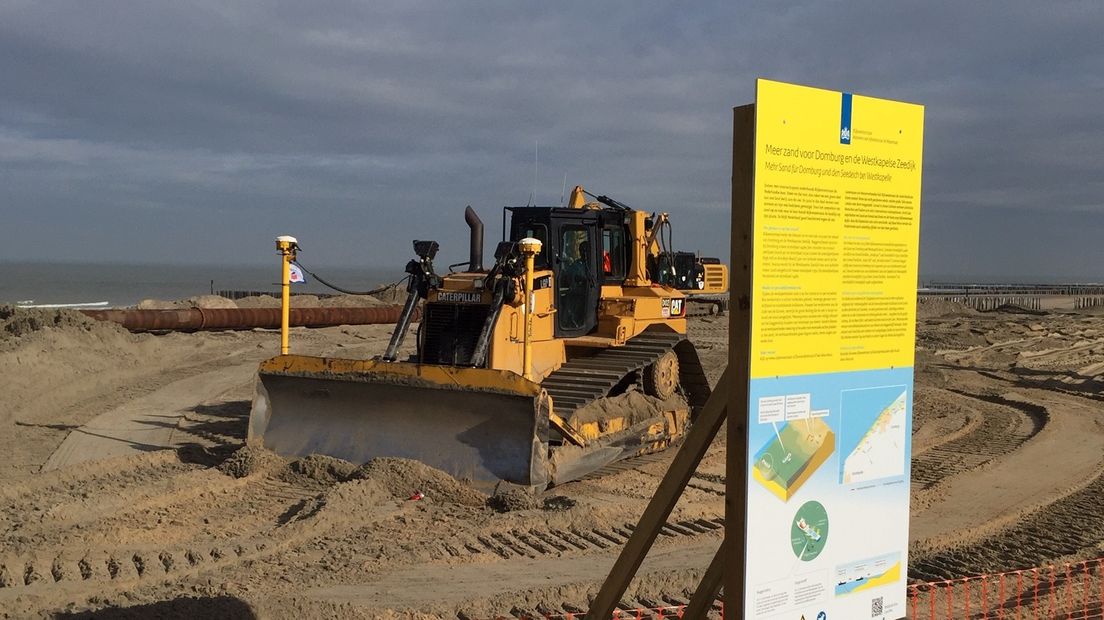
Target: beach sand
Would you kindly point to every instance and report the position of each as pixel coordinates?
(96, 515)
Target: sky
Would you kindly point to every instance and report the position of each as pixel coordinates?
(195, 132)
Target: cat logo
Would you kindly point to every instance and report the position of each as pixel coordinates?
(463, 297)
(671, 307)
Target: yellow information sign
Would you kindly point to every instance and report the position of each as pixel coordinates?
(837, 226)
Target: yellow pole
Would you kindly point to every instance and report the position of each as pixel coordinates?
(286, 246)
(529, 247)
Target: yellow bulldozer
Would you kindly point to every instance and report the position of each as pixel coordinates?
(565, 355)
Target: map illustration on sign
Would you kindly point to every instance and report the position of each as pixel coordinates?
(791, 456)
(873, 435)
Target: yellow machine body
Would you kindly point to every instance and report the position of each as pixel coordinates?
(623, 312)
(469, 403)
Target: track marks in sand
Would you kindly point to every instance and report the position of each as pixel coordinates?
(148, 422)
(73, 497)
(162, 520)
(994, 426)
(981, 508)
(489, 589)
(1067, 527)
(670, 601)
(549, 541)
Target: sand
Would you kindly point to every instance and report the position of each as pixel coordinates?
(188, 522)
(384, 298)
(251, 460)
(16, 323)
(511, 499)
(403, 478)
(199, 301)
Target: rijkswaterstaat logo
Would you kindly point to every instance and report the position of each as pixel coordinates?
(845, 119)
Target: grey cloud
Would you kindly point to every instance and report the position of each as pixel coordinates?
(137, 130)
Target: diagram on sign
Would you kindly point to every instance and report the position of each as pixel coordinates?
(868, 573)
(809, 531)
(801, 445)
(873, 434)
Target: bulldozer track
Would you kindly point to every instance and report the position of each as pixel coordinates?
(584, 380)
(712, 484)
(551, 541)
(629, 464)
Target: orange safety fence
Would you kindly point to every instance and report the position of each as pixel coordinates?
(1066, 591)
(1073, 591)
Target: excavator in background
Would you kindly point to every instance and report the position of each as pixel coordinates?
(703, 280)
(568, 353)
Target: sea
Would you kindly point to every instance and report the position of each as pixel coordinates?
(123, 285)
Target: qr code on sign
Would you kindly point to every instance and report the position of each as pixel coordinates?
(876, 607)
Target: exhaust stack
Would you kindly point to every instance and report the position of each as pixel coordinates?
(475, 258)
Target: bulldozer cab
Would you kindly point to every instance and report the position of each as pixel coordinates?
(572, 247)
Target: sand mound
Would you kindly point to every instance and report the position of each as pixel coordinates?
(1014, 309)
(352, 301)
(312, 301)
(305, 301)
(932, 308)
(634, 406)
(259, 301)
(558, 502)
(249, 460)
(403, 477)
(156, 304)
(319, 468)
(210, 301)
(16, 322)
(198, 301)
(60, 329)
(511, 499)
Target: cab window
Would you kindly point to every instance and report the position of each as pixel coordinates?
(536, 231)
(614, 253)
(574, 277)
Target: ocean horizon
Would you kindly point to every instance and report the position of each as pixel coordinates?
(122, 285)
(126, 284)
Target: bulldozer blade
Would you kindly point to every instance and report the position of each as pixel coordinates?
(479, 425)
(569, 463)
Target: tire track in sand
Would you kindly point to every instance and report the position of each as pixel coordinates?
(185, 522)
(147, 422)
(1001, 427)
(984, 504)
(1063, 528)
